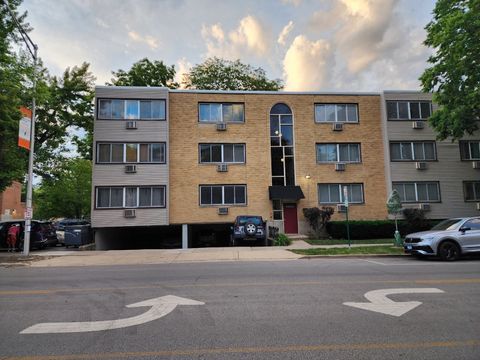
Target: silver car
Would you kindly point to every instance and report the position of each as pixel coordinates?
(448, 239)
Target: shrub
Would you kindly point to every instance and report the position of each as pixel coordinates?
(282, 240)
(318, 219)
(375, 229)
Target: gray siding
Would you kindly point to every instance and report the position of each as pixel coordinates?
(147, 174)
(448, 170)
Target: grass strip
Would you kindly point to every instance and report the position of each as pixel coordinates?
(366, 250)
(345, 242)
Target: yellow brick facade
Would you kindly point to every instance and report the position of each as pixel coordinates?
(186, 174)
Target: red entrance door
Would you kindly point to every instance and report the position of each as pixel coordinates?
(290, 218)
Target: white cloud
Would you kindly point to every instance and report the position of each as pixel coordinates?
(307, 64)
(292, 2)
(183, 67)
(284, 33)
(249, 37)
(147, 39)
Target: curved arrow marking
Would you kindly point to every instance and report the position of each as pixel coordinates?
(380, 303)
(160, 307)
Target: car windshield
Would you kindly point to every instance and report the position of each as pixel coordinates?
(250, 219)
(448, 224)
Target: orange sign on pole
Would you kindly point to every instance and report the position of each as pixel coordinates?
(24, 128)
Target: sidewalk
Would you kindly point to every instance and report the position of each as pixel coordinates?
(156, 256)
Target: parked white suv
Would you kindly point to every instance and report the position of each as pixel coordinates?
(448, 239)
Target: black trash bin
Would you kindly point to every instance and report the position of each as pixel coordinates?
(77, 235)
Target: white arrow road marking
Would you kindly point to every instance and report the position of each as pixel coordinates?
(380, 303)
(160, 307)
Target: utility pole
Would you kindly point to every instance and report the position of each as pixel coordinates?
(32, 48)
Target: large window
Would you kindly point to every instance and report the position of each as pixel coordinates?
(409, 110)
(470, 150)
(222, 153)
(336, 113)
(130, 197)
(418, 191)
(334, 193)
(131, 109)
(412, 151)
(327, 153)
(282, 145)
(131, 153)
(223, 194)
(221, 112)
(471, 190)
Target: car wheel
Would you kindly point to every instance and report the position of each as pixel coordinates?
(250, 229)
(449, 251)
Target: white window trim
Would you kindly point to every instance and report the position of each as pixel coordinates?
(412, 149)
(125, 118)
(338, 153)
(476, 197)
(223, 195)
(124, 197)
(222, 120)
(340, 191)
(416, 191)
(420, 102)
(336, 113)
(222, 145)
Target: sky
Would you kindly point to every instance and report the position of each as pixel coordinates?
(312, 45)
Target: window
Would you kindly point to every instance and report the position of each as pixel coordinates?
(409, 110)
(473, 224)
(413, 151)
(130, 197)
(218, 112)
(222, 153)
(336, 113)
(471, 190)
(282, 145)
(223, 194)
(131, 153)
(131, 109)
(338, 153)
(333, 193)
(418, 191)
(470, 150)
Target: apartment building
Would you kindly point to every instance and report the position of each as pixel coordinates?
(181, 165)
(440, 177)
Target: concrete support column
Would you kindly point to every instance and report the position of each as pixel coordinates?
(184, 236)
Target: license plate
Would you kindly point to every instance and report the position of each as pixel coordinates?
(409, 247)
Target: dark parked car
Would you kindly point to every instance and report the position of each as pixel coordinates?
(60, 226)
(42, 234)
(248, 228)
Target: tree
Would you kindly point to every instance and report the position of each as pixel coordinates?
(318, 219)
(454, 76)
(68, 195)
(221, 74)
(13, 159)
(146, 73)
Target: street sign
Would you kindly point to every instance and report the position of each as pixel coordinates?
(159, 307)
(381, 304)
(345, 196)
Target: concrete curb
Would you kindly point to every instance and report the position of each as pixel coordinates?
(352, 256)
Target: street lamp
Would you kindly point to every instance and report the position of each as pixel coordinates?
(32, 48)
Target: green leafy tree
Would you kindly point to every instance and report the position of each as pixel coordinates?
(221, 74)
(68, 195)
(454, 76)
(13, 159)
(146, 73)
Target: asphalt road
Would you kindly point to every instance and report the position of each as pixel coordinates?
(253, 310)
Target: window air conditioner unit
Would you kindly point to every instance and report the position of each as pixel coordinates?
(418, 125)
(340, 166)
(478, 206)
(221, 126)
(131, 125)
(129, 213)
(130, 169)
(420, 165)
(222, 211)
(341, 208)
(476, 164)
(424, 207)
(222, 167)
(337, 126)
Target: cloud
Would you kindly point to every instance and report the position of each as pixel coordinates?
(292, 2)
(284, 33)
(249, 37)
(183, 67)
(307, 64)
(149, 40)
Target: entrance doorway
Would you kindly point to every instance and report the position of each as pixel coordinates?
(290, 218)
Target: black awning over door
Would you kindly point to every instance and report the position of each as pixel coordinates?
(291, 193)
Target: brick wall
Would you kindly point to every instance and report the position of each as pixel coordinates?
(10, 205)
